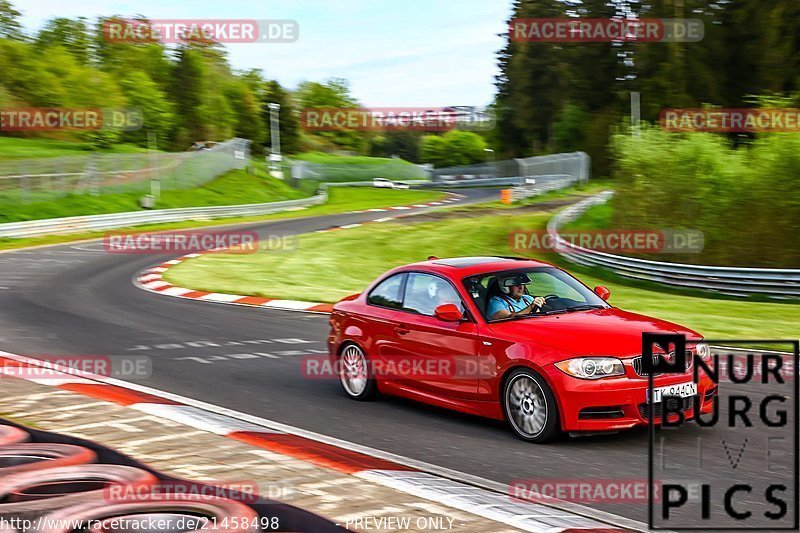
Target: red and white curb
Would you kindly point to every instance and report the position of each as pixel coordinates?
(152, 279)
(480, 497)
(450, 198)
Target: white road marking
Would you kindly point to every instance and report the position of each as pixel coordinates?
(176, 291)
(196, 418)
(219, 297)
(288, 304)
(155, 284)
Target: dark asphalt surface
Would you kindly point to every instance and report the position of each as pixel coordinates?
(78, 300)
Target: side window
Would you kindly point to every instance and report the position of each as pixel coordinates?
(424, 293)
(387, 293)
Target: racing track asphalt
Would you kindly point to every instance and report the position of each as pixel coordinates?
(78, 300)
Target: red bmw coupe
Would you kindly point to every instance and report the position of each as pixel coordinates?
(506, 338)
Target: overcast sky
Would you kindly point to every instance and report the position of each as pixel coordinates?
(415, 53)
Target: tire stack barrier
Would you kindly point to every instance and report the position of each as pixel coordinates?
(29, 494)
(12, 435)
(53, 480)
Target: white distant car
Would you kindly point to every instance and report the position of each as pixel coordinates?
(400, 185)
(382, 183)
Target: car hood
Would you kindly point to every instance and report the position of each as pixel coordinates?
(609, 331)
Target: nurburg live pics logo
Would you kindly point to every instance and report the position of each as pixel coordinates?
(744, 439)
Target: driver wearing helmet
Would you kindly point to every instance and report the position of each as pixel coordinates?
(512, 300)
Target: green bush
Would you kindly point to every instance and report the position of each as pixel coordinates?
(744, 199)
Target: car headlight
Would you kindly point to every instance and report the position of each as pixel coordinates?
(703, 351)
(592, 367)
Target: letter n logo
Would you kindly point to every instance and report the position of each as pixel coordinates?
(674, 346)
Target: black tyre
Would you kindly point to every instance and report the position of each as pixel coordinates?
(12, 435)
(27, 457)
(355, 374)
(30, 493)
(530, 407)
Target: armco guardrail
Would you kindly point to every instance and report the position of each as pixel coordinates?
(56, 226)
(773, 282)
(542, 184)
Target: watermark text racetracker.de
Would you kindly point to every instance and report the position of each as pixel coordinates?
(581, 490)
(453, 367)
(719, 120)
(231, 31)
(49, 366)
(70, 119)
(433, 119)
(648, 241)
(183, 490)
(586, 30)
(196, 241)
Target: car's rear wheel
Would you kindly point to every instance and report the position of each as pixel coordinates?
(355, 375)
(530, 407)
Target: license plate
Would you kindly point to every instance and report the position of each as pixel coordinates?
(683, 390)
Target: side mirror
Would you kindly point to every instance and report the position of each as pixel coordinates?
(448, 313)
(602, 292)
(350, 297)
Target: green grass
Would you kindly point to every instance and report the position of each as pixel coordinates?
(340, 200)
(332, 159)
(18, 148)
(360, 168)
(232, 188)
(596, 217)
(328, 266)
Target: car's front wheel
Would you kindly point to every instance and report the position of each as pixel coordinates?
(530, 407)
(355, 375)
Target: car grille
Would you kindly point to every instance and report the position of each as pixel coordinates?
(637, 364)
(685, 405)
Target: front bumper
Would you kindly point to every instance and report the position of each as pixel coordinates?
(612, 404)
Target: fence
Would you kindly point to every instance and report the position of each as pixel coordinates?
(396, 169)
(43, 179)
(777, 283)
(575, 164)
(59, 226)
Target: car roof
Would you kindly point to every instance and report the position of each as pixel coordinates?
(461, 267)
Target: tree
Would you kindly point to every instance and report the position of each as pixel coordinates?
(188, 91)
(72, 35)
(333, 93)
(454, 148)
(247, 110)
(144, 95)
(10, 27)
(433, 150)
(465, 147)
(405, 144)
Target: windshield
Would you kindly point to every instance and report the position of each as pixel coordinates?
(561, 293)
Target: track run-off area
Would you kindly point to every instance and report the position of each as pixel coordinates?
(78, 300)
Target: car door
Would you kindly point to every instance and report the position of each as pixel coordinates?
(380, 321)
(444, 353)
